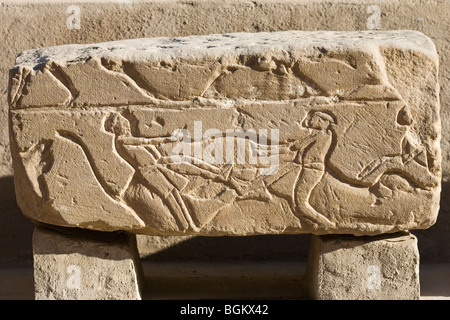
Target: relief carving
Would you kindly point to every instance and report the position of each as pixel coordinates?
(265, 143)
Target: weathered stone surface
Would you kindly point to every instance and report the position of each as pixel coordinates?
(384, 267)
(334, 134)
(85, 266)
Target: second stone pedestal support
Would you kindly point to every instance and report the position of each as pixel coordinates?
(385, 267)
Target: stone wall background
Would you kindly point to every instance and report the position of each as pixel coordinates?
(27, 25)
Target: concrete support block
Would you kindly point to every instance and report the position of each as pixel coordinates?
(384, 267)
(85, 265)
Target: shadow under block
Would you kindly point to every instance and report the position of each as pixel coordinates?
(384, 267)
(86, 265)
(237, 134)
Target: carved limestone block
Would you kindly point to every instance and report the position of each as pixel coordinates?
(235, 134)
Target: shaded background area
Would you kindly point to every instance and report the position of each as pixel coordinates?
(434, 243)
(15, 230)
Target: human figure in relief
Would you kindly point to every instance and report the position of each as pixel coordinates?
(143, 156)
(156, 174)
(412, 162)
(311, 155)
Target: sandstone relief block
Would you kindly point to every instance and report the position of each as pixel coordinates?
(235, 134)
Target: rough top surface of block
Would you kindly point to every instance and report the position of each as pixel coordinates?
(235, 134)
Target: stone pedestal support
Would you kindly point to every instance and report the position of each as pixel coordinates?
(384, 267)
(84, 265)
(73, 264)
